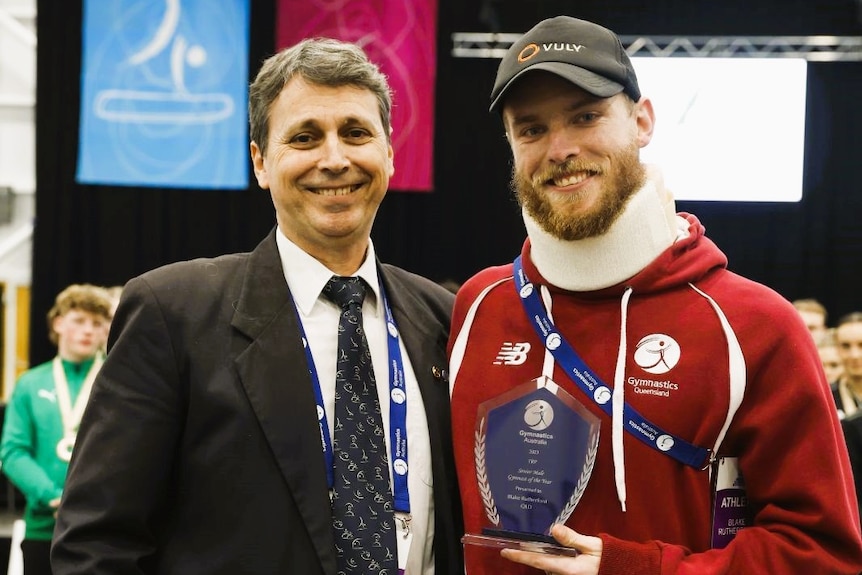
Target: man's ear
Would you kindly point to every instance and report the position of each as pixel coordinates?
(645, 116)
(391, 154)
(259, 166)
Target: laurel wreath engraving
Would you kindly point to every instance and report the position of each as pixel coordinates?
(582, 482)
(485, 489)
(482, 476)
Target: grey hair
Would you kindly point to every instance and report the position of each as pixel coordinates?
(322, 61)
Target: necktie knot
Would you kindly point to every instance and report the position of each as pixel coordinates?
(345, 291)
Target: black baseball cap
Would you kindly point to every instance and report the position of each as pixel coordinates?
(586, 54)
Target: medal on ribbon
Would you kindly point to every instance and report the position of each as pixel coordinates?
(69, 414)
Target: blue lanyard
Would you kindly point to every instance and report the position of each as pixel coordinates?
(592, 386)
(397, 410)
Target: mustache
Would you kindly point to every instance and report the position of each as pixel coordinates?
(567, 168)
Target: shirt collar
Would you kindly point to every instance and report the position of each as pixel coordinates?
(306, 276)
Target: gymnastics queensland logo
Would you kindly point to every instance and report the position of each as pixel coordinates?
(657, 353)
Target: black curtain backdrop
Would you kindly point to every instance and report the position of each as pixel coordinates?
(106, 235)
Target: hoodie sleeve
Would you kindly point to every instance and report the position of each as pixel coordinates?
(17, 451)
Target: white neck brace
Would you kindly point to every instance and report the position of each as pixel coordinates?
(647, 226)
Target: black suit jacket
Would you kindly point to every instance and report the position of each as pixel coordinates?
(852, 427)
(199, 452)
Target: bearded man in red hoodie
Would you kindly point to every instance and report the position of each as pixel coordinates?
(616, 388)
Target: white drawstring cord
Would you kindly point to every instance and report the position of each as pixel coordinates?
(618, 401)
(548, 363)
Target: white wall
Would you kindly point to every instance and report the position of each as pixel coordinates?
(17, 159)
(17, 133)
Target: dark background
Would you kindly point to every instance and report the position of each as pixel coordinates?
(105, 235)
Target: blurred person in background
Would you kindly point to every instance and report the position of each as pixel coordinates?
(847, 389)
(43, 414)
(114, 292)
(827, 348)
(814, 315)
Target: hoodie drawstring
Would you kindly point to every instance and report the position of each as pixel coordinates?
(618, 397)
(548, 363)
(618, 402)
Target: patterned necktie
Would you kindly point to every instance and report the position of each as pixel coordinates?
(362, 507)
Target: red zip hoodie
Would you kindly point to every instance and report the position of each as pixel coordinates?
(785, 432)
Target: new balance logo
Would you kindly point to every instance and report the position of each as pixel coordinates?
(512, 353)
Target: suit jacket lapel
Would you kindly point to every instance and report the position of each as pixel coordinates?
(273, 370)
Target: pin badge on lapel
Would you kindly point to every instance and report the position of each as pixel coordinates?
(440, 373)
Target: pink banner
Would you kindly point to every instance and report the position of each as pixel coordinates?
(401, 37)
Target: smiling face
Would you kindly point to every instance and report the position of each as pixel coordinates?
(327, 166)
(576, 157)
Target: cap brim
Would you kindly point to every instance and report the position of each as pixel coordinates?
(581, 77)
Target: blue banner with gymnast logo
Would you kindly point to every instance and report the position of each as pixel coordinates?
(164, 93)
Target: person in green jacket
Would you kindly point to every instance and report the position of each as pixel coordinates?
(43, 413)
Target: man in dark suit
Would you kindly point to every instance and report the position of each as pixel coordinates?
(206, 445)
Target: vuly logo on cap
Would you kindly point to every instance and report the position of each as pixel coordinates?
(531, 50)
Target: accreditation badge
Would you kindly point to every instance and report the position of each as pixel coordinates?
(404, 538)
(730, 511)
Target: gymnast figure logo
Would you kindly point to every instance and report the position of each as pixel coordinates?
(177, 106)
(538, 414)
(657, 353)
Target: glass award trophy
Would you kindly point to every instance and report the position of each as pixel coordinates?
(534, 449)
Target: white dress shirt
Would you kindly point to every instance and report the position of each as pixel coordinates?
(306, 278)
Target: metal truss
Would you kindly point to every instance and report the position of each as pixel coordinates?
(811, 48)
